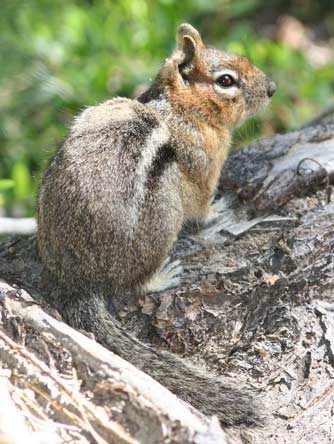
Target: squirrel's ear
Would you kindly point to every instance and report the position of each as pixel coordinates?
(189, 42)
(183, 60)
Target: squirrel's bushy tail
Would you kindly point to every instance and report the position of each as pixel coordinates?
(209, 394)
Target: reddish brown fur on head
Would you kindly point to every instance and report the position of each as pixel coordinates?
(195, 76)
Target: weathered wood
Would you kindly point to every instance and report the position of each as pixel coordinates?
(137, 402)
(12, 427)
(257, 299)
(25, 225)
(274, 170)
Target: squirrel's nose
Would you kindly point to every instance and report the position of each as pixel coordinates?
(271, 88)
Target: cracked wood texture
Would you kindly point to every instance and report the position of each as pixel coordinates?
(257, 298)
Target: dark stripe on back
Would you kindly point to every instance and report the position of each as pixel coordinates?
(164, 157)
(133, 135)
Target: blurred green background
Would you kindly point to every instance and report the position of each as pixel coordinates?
(58, 56)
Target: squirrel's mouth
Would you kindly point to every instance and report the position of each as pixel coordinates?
(258, 107)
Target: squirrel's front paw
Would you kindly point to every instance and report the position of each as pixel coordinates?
(215, 211)
(167, 277)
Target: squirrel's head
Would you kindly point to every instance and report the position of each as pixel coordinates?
(224, 88)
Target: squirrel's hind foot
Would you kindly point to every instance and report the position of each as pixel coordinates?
(167, 277)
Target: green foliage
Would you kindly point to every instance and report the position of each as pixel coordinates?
(60, 55)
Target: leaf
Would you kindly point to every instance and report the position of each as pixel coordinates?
(6, 184)
(22, 180)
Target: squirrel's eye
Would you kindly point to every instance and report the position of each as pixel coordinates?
(226, 80)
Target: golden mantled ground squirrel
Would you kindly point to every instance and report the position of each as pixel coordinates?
(119, 190)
